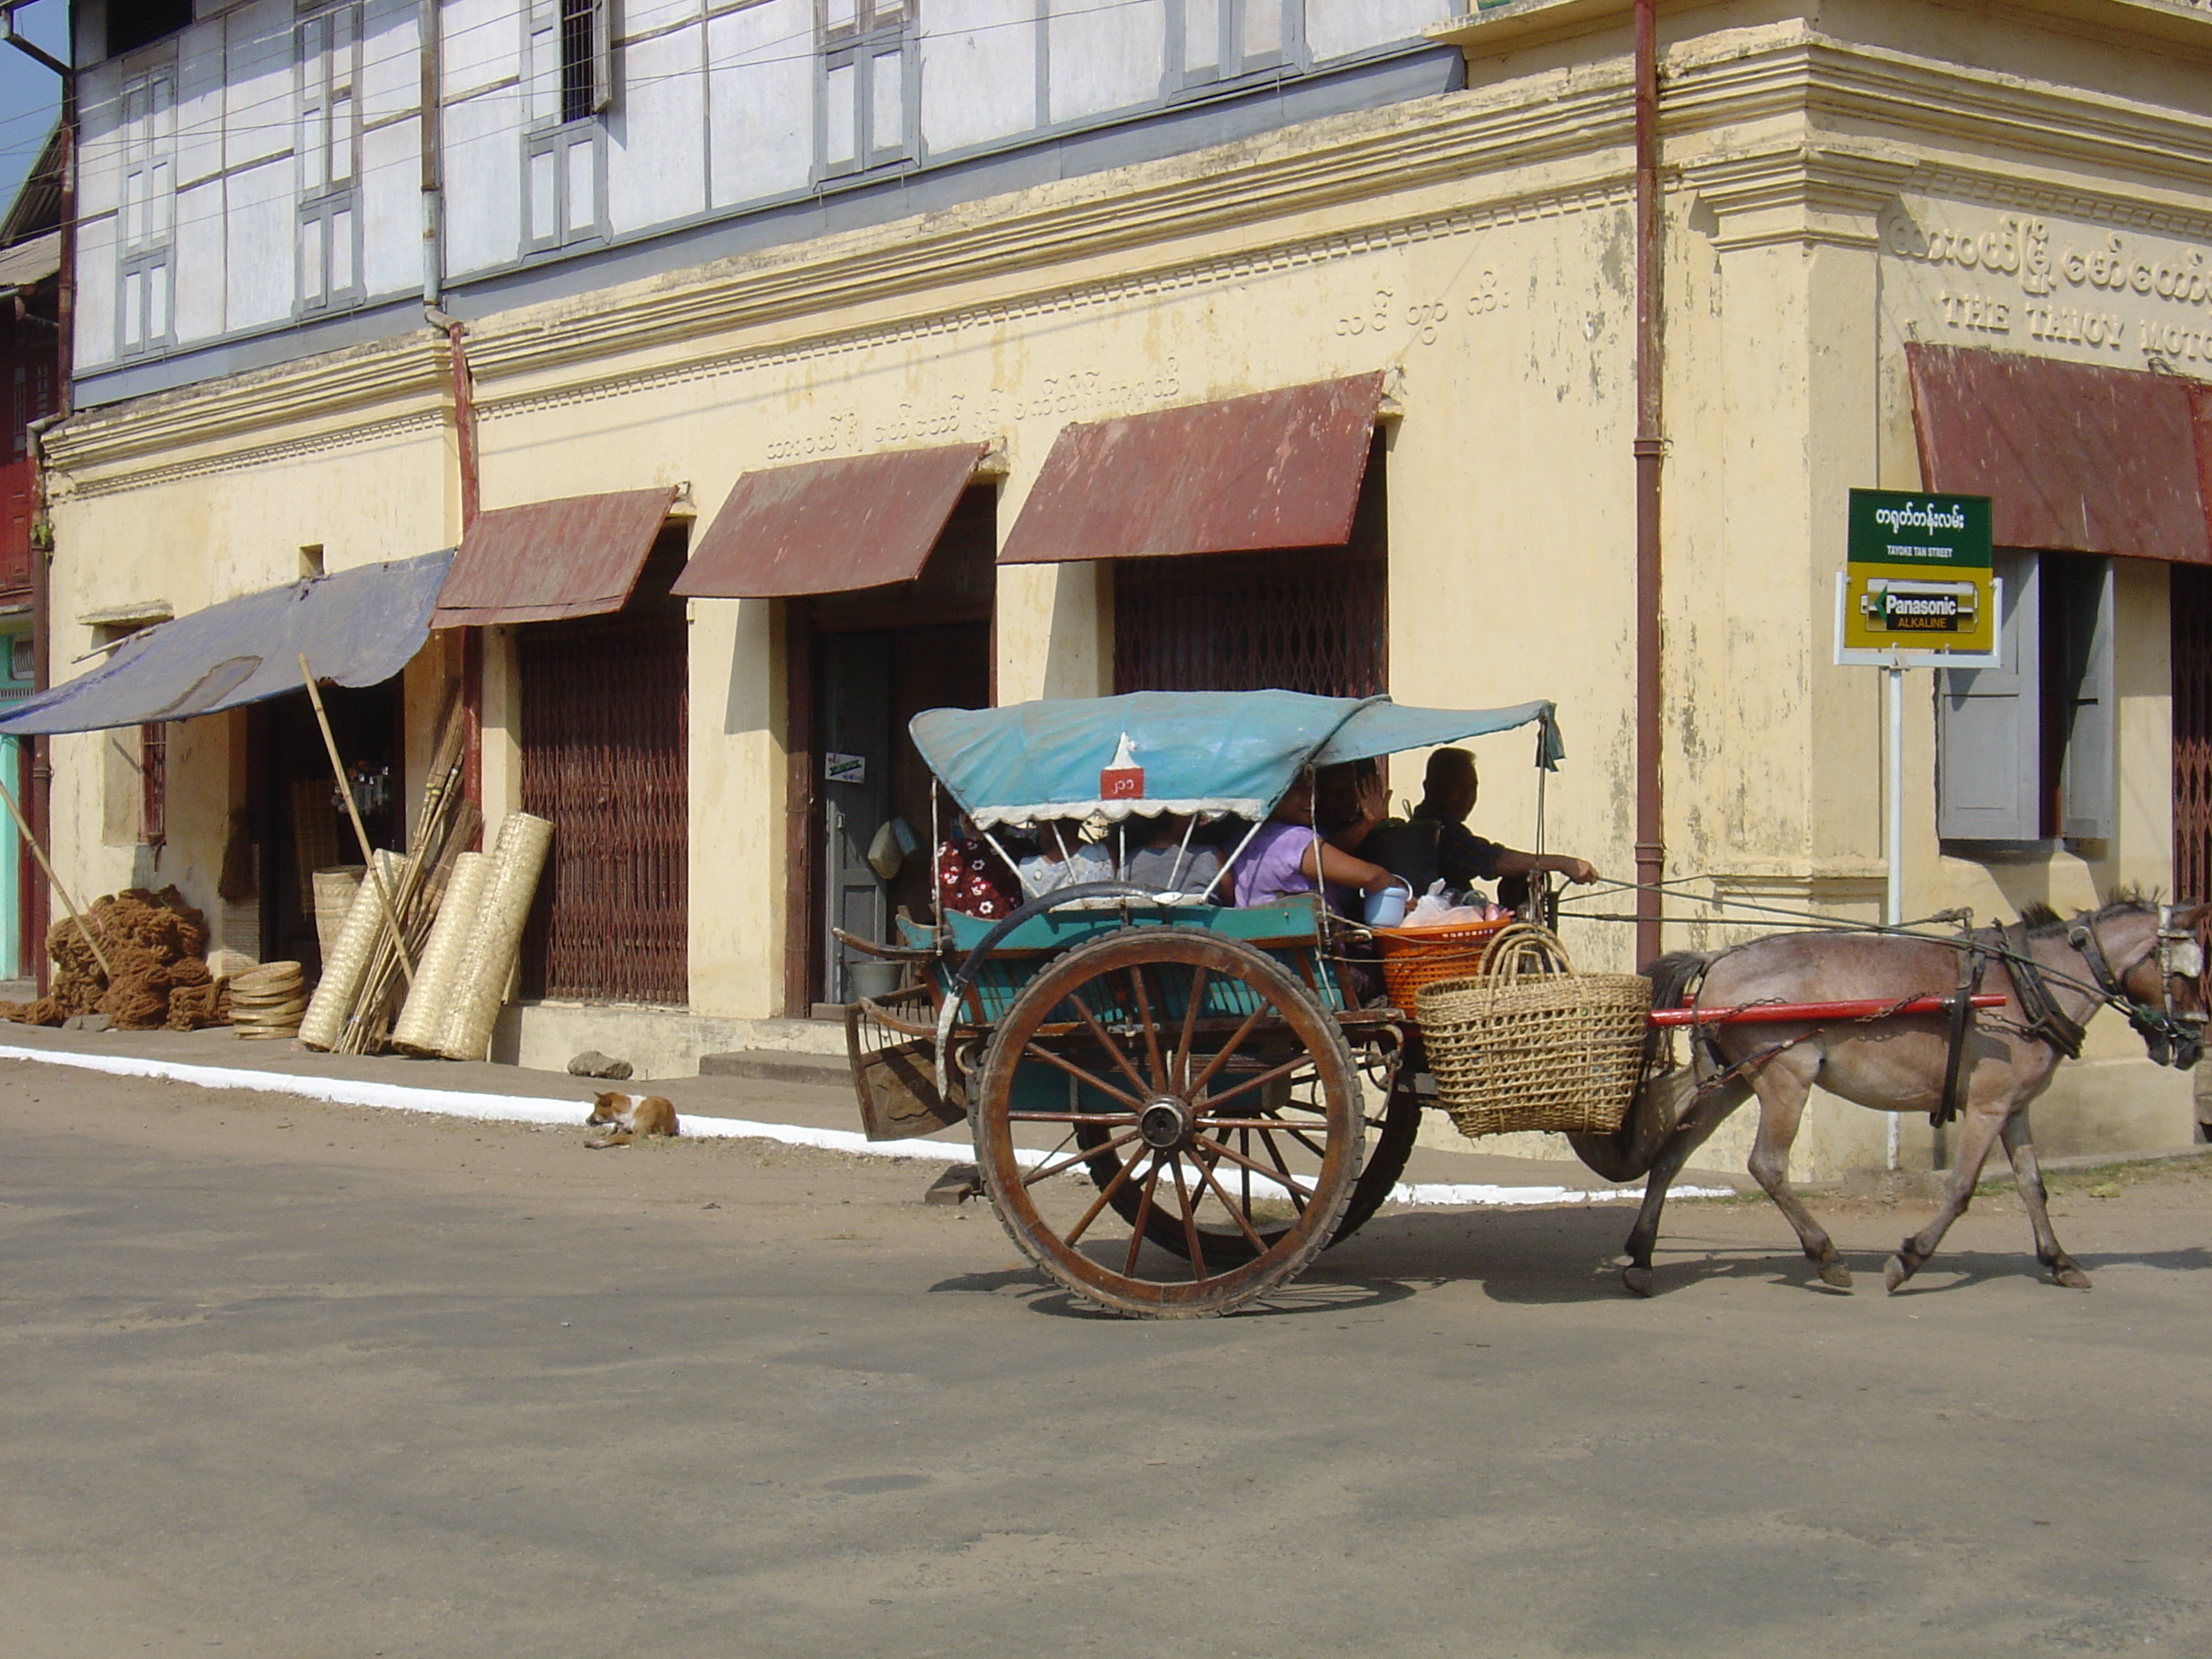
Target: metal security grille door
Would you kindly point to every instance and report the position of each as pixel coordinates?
(2191, 611)
(605, 725)
(1312, 620)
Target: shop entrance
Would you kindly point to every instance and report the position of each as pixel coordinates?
(865, 665)
(303, 824)
(2190, 608)
(606, 735)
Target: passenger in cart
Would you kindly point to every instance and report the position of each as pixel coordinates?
(1289, 854)
(1448, 788)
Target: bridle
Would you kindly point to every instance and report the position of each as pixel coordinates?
(2173, 1038)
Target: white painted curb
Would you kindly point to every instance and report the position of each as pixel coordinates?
(525, 1109)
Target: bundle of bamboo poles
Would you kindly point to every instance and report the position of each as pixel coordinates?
(352, 1012)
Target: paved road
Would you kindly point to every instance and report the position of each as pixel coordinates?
(283, 1379)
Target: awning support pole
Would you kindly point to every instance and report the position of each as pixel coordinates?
(23, 828)
(353, 813)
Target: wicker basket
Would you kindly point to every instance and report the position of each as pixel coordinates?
(1517, 1050)
(1414, 956)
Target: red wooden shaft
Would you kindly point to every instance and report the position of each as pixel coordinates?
(1758, 1013)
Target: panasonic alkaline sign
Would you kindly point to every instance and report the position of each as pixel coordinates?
(1919, 575)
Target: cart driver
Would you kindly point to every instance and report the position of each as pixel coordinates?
(1448, 793)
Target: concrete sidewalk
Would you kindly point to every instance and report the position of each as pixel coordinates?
(819, 1114)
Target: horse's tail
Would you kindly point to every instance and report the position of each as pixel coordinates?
(1662, 1097)
(1674, 977)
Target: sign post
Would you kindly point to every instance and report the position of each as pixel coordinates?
(1918, 591)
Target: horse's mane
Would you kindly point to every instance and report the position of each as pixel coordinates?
(2127, 899)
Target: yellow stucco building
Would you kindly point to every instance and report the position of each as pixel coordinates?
(1900, 245)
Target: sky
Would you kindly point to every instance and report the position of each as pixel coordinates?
(30, 93)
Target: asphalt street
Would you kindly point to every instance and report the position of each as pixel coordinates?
(290, 1379)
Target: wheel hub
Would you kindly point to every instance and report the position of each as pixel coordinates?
(1166, 1123)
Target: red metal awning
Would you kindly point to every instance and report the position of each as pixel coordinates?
(1278, 469)
(2073, 456)
(578, 556)
(830, 526)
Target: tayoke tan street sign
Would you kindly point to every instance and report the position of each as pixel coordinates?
(1918, 586)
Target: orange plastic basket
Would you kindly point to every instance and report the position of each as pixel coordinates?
(1414, 956)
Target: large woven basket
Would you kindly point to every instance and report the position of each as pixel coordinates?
(1520, 1049)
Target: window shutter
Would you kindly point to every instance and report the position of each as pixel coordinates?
(602, 57)
(543, 58)
(314, 107)
(1989, 725)
(2087, 700)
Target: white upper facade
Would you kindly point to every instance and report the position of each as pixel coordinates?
(260, 169)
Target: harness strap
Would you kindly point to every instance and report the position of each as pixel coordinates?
(1970, 961)
(2045, 1022)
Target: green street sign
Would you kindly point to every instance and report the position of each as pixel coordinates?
(1918, 579)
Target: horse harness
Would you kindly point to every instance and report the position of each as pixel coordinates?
(2042, 1017)
(2172, 1039)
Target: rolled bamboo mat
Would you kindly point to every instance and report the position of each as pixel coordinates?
(480, 984)
(334, 895)
(348, 961)
(422, 1026)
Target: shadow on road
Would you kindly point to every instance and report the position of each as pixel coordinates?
(1565, 1255)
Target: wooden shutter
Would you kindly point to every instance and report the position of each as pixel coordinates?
(543, 59)
(1989, 725)
(2086, 702)
(602, 57)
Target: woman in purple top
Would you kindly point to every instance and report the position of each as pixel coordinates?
(1287, 854)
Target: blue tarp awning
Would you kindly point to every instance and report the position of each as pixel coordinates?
(1191, 752)
(357, 628)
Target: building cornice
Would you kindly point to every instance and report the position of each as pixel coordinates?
(318, 402)
(1518, 25)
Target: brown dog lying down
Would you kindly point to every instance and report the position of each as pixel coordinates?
(632, 1115)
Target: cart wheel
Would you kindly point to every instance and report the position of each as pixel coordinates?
(1194, 1074)
(1389, 1143)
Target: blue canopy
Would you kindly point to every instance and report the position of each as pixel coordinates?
(1178, 751)
(357, 628)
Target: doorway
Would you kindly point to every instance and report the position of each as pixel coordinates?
(864, 665)
(303, 822)
(2190, 609)
(605, 744)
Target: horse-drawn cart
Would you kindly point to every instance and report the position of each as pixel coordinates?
(1175, 1105)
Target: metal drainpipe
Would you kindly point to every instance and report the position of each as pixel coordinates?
(470, 666)
(1649, 446)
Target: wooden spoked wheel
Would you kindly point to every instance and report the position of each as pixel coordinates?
(1392, 1127)
(1203, 1092)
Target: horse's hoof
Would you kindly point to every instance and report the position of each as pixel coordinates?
(2070, 1276)
(1895, 1275)
(1638, 1280)
(1835, 1275)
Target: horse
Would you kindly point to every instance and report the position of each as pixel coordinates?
(2145, 959)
